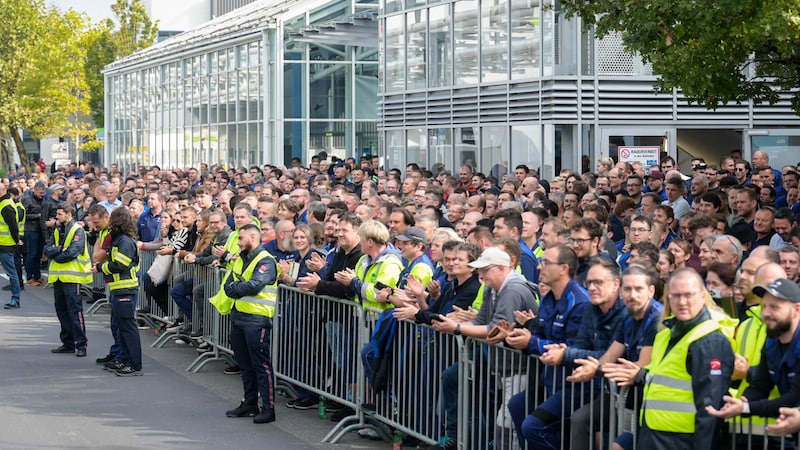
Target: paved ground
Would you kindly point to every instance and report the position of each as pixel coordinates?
(51, 401)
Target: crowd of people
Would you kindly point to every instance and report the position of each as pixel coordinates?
(683, 285)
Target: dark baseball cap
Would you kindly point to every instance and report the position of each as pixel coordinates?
(655, 174)
(781, 288)
(415, 234)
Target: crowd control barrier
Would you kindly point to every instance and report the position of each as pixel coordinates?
(321, 345)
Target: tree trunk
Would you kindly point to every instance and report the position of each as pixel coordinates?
(21, 152)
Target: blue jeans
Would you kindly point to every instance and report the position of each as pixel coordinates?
(33, 261)
(540, 425)
(182, 295)
(123, 309)
(7, 260)
(250, 341)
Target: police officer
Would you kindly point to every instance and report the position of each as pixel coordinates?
(9, 240)
(69, 268)
(252, 288)
(119, 268)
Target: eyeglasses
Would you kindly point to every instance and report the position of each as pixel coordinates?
(634, 185)
(590, 283)
(579, 241)
(214, 222)
(676, 296)
(486, 269)
(739, 169)
(639, 230)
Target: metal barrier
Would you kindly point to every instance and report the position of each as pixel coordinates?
(215, 327)
(410, 402)
(333, 326)
(98, 286)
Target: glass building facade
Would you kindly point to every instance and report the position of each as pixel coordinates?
(496, 83)
(261, 85)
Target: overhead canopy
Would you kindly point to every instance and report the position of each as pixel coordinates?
(357, 30)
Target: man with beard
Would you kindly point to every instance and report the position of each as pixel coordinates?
(779, 362)
(282, 247)
(250, 292)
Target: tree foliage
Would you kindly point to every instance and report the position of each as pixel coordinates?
(41, 70)
(716, 52)
(131, 31)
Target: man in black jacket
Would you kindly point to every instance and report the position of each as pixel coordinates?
(34, 239)
(9, 240)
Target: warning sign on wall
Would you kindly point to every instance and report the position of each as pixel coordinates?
(647, 155)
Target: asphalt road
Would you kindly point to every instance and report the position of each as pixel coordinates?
(58, 401)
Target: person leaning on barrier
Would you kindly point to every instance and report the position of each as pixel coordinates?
(346, 255)
(780, 359)
(506, 291)
(70, 267)
(558, 322)
(633, 342)
(459, 291)
(690, 368)
(248, 293)
(380, 266)
(120, 269)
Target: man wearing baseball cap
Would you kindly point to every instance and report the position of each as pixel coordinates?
(780, 359)
(655, 184)
(506, 291)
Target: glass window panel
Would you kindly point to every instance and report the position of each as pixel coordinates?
(367, 138)
(395, 53)
(440, 142)
(294, 136)
(525, 38)
(327, 90)
(782, 149)
(366, 82)
(465, 34)
(416, 22)
(494, 40)
(395, 145)
(293, 92)
(440, 49)
(414, 3)
(494, 151)
(417, 147)
(466, 149)
(566, 50)
(526, 146)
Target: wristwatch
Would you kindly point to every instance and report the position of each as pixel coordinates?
(457, 331)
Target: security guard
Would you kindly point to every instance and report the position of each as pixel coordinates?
(779, 362)
(9, 241)
(690, 368)
(248, 293)
(120, 269)
(69, 268)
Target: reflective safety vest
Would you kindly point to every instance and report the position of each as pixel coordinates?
(261, 304)
(750, 339)
(386, 270)
(78, 270)
(668, 403)
(21, 214)
(232, 244)
(5, 232)
(125, 280)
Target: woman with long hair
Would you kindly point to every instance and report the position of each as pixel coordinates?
(120, 270)
(303, 240)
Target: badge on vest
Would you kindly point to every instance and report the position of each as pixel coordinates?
(716, 367)
(262, 268)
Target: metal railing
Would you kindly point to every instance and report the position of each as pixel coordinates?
(322, 344)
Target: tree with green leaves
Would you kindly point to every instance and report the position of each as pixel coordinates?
(131, 31)
(715, 52)
(41, 70)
